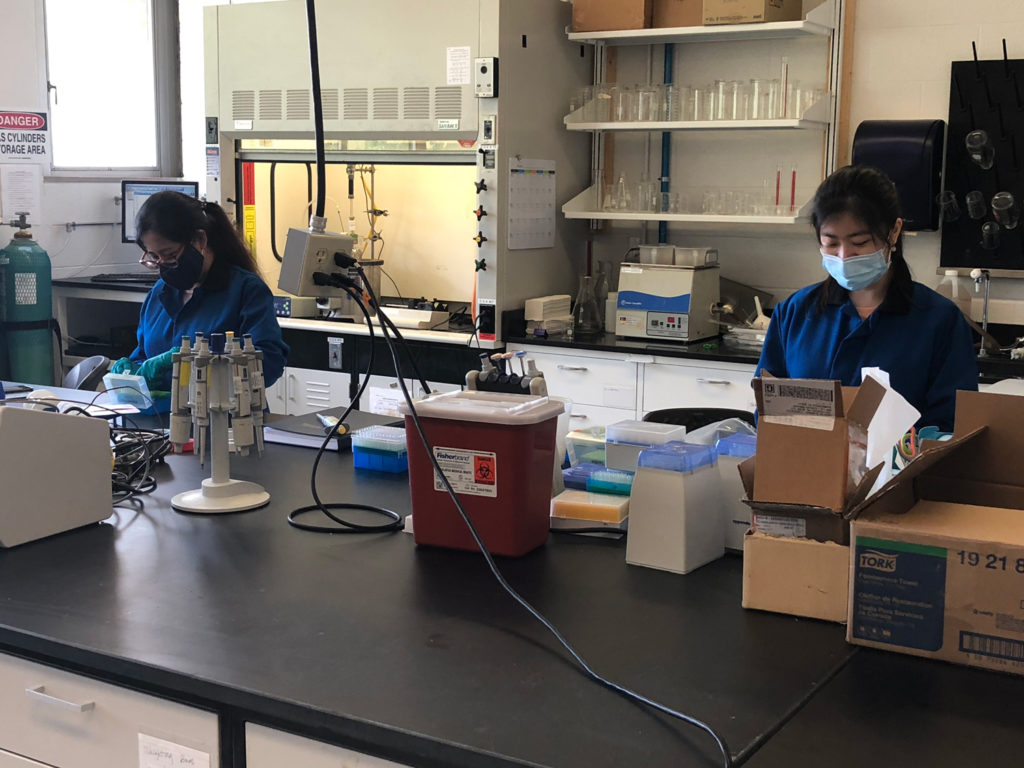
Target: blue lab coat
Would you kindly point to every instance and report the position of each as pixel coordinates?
(924, 343)
(246, 305)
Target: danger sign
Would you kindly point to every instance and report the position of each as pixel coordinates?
(24, 136)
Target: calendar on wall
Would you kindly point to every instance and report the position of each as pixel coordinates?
(531, 204)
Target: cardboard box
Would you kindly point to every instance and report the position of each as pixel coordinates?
(796, 576)
(937, 568)
(678, 13)
(751, 11)
(801, 470)
(609, 15)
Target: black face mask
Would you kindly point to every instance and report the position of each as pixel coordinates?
(186, 272)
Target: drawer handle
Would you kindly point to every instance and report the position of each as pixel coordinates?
(726, 382)
(40, 693)
(578, 416)
(573, 368)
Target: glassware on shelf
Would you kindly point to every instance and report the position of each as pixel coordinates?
(618, 196)
(581, 105)
(601, 110)
(624, 104)
(586, 318)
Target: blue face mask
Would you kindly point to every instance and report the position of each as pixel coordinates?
(855, 273)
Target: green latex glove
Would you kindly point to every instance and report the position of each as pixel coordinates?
(155, 370)
(124, 365)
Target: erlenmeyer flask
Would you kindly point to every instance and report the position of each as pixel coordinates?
(586, 319)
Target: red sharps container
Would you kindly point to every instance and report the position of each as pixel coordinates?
(497, 451)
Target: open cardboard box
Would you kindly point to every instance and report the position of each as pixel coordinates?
(804, 569)
(937, 566)
(800, 472)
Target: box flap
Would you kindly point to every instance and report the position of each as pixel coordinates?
(995, 456)
(746, 470)
(865, 403)
(938, 451)
(863, 488)
(798, 402)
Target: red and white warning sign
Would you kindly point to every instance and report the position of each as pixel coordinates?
(24, 136)
(470, 472)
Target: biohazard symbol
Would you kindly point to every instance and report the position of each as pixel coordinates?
(483, 470)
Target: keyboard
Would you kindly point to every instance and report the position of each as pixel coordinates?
(143, 278)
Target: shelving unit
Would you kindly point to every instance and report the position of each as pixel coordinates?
(584, 206)
(818, 23)
(820, 118)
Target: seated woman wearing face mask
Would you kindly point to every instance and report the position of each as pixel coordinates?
(869, 312)
(208, 283)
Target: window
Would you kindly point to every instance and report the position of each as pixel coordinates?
(112, 72)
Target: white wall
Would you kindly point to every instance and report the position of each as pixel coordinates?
(901, 57)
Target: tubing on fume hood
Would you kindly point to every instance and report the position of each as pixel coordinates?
(317, 221)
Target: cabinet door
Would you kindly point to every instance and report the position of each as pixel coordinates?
(608, 382)
(70, 721)
(277, 395)
(583, 416)
(693, 385)
(310, 390)
(269, 748)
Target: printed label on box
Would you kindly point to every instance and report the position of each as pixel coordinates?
(803, 403)
(776, 525)
(899, 593)
(471, 472)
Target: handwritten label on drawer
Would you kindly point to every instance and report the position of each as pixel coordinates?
(619, 397)
(160, 753)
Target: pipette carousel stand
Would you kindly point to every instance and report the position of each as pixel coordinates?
(220, 383)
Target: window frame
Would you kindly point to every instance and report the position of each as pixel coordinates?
(167, 99)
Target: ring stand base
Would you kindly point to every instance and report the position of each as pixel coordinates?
(217, 498)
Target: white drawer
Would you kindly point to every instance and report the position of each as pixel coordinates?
(589, 380)
(71, 721)
(584, 416)
(691, 386)
(270, 748)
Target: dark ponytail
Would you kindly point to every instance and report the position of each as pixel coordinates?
(869, 196)
(178, 217)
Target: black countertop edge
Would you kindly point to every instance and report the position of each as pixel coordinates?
(248, 706)
(714, 349)
(113, 285)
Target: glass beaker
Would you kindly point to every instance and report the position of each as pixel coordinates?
(1005, 209)
(975, 204)
(586, 318)
(980, 149)
(990, 235)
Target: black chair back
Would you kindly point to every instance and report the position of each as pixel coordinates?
(695, 418)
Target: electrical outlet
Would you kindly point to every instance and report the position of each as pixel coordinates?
(334, 352)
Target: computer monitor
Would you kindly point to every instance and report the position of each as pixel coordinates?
(135, 192)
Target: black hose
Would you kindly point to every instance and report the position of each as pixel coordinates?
(318, 110)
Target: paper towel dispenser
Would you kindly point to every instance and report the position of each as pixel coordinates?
(910, 153)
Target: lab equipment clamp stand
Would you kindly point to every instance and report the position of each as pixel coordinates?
(979, 276)
(219, 377)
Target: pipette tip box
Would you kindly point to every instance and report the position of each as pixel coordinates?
(381, 449)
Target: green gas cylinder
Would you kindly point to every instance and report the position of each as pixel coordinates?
(28, 310)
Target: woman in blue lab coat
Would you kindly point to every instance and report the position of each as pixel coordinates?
(208, 283)
(869, 311)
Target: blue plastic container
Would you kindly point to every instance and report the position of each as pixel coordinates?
(381, 449)
(678, 457)
(738, 446)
